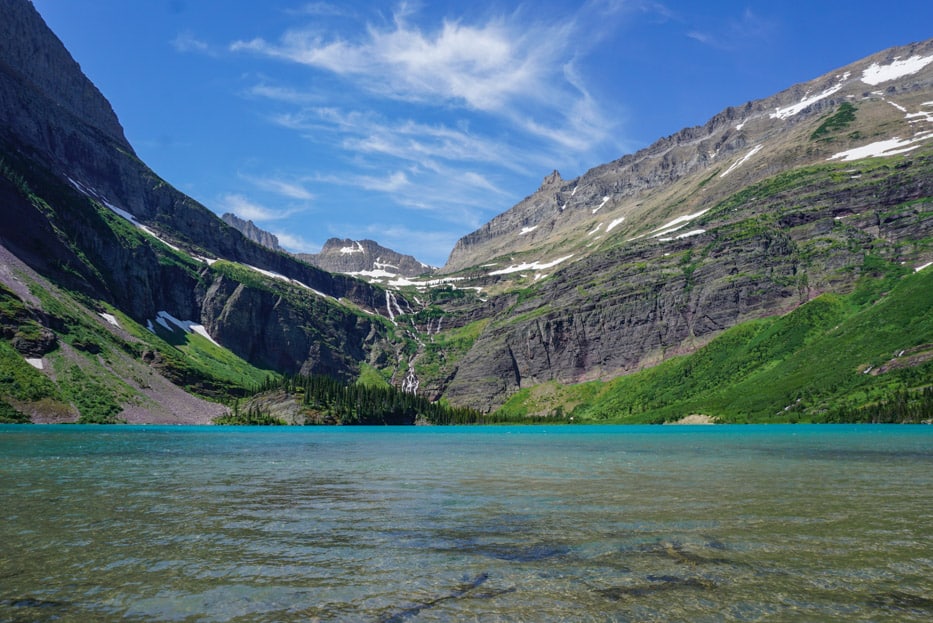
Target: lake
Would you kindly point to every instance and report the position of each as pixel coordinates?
(561, 523)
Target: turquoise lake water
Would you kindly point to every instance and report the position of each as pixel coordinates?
(586, 523)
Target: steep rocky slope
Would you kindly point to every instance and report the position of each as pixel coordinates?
(752, 214)
(91, 224)
(888, 95)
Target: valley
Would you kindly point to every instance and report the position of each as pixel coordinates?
(771, 265)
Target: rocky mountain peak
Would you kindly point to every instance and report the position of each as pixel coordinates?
(365, 258)
(46, 74)
(252, 231)
(552, 178)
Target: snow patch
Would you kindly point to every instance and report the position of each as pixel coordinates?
(599, 207)
(898, 106)
(402, 282)
(880, 149)
(528, 230)
(876, 74)
(188, 326)
(35, 363)
(739, 127)
(373, 274)
(356, 249)
(741, 161)
(677, 223)
(613, 224)
(693, 232)
(274, 275)
(595, 229)
(530, 266)
(919, 268)
(110, 318)
(808, 100)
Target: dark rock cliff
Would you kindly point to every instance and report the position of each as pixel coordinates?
(630, 307)
(58, 129)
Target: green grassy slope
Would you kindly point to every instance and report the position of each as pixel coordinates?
(833, 359)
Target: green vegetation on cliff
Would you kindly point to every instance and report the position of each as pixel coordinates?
(326, 400)
(867, 356)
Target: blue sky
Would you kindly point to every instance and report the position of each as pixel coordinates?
(413, 123)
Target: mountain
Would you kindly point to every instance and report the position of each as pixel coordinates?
(367, 259)
(251, 231)
(769, 264)
(753, 214)
(360, 258)
(118, 267)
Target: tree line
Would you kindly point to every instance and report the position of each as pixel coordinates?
(901, 406)
(340, 403)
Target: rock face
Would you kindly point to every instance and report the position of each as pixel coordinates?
(251, 231)
(733, 149)
(39, 71)
(71, 185)
(365, 258)
(628, 308)
(749, 215)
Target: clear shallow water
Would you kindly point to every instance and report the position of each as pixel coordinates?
(783, 523)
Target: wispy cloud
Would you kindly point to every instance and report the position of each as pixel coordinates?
(246, 208)
(292, 189)
(295, 243)
(425, 145)
(749, 28)
(509, 66)
(186, 42)
(451, 118)
(322, 9)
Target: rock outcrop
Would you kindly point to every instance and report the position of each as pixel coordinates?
(252, 231)
(72, 184)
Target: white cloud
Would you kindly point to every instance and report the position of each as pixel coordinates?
(296, 244)
(187, 42)
(512, 67)
(389, 184)
(484, 66)
(250, 210)
(748, 29)
(289, 189)
(320, 9)
(419, 143)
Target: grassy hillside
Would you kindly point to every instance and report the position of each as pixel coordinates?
(865, 356)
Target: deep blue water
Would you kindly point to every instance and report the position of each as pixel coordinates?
(582, 523)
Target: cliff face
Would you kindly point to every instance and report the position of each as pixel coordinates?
(748, 216)
(39, 72)
(631, 307)
(82, 211)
